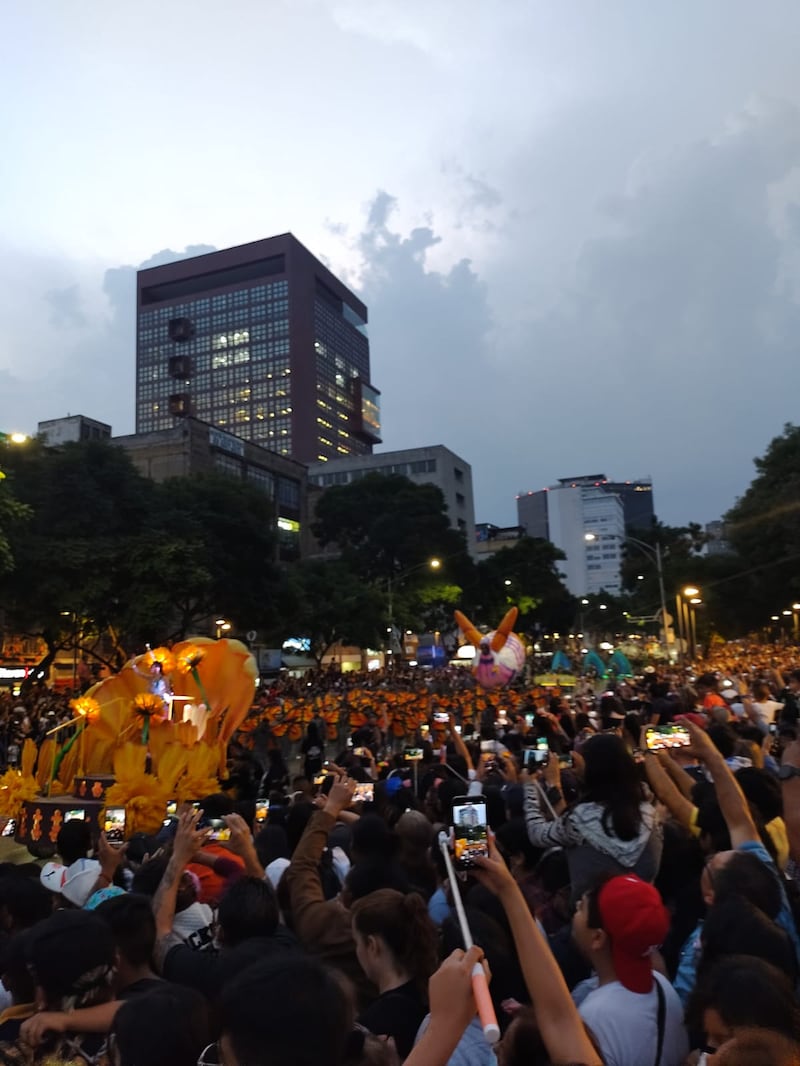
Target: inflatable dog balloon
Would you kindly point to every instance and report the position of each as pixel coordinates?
(499, 655)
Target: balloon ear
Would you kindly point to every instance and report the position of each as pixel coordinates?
(505, 627)
(467, 628)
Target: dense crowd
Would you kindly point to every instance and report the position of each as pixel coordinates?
(633, 899)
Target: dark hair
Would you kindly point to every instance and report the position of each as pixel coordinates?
(762, 790)
(148, 877)
(287, 1011)
(167, 1026)
(612, 781)
(133, 926)
(64, 949)
(372, 840)
(248, 908)
(366, 877)
(737, 927)
(723, 738)
(272, 843)
(404, 925)
(296, 821)
(74, 841)
(216, 806)
(745, 876)
(14, 969)
(513, 839)
(746, 991)
(25, 901)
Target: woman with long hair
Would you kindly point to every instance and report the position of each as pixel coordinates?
(610, 829)
(396, 946)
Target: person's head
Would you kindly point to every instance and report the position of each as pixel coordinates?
(249, 908)
(71, 958)
(737, 927)
(23, 902)
(74, 841)
(724, 739)
(705, 684)
(393, 932)
(758, 1047)
(290, 1011)
(133, 927)
(366, 877)
(793, 681)
(611, 779)
(761, 692)
(167, 1026)
(762, 791)
(741, 875)
(271, 844)
(14, 969)
(372, 840)
(738, 992)
(618, 925)
(217, 805)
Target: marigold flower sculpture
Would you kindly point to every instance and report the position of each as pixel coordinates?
(162, 656)
(148, 706)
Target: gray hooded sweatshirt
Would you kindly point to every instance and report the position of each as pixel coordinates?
(591, 850)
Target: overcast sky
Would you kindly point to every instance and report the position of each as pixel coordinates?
(575, 223)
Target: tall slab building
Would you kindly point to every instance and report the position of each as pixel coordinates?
(261, 341)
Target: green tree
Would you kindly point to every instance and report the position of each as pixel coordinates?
(387, 526)
(526, 576)
(13, 515)
(763, 528)
(327, 602)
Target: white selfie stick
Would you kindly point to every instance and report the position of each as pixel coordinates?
(480, 986)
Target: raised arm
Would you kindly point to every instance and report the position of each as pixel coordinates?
(459, 745)
(665, 789)
(560, 1024)
(731, 799)
(541, 832)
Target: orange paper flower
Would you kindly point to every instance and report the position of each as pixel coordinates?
(159, 655)
(86, 707)
(189, 658)
(148, 704)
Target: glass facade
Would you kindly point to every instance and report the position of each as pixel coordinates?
(223, 358)
(342, 360)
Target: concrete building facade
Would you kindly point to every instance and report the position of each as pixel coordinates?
(193, 447)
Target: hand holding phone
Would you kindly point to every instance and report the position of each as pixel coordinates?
(470, 831)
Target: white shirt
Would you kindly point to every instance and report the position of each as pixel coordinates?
(765, 712)
(625, 1025)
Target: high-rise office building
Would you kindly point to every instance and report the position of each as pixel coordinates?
(574, 507)
(261, 341)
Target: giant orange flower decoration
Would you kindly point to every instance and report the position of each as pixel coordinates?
(162, 656)
(86, 707)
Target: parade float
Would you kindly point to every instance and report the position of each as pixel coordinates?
(155, 732)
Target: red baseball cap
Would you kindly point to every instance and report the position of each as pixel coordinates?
(636, 922)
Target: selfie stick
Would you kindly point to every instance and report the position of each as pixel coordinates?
(480, 986)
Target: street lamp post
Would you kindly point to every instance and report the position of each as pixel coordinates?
(796, 620)
(654, 555)
(397, 579)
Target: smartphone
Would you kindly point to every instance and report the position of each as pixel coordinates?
(219, 830)
(196, 806)
(441, 716)
(413, 754)
(773, 727)
(365, 792)
(78, 815)
(529, 720)
(535, 758)
(425, 730)
(458, 729)
(320, 779)
(10, 828)
(262, 810)
(566, 762)
(667, 736)
(114, 826)
(470, 831)
(172, 808)
(362, 752)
